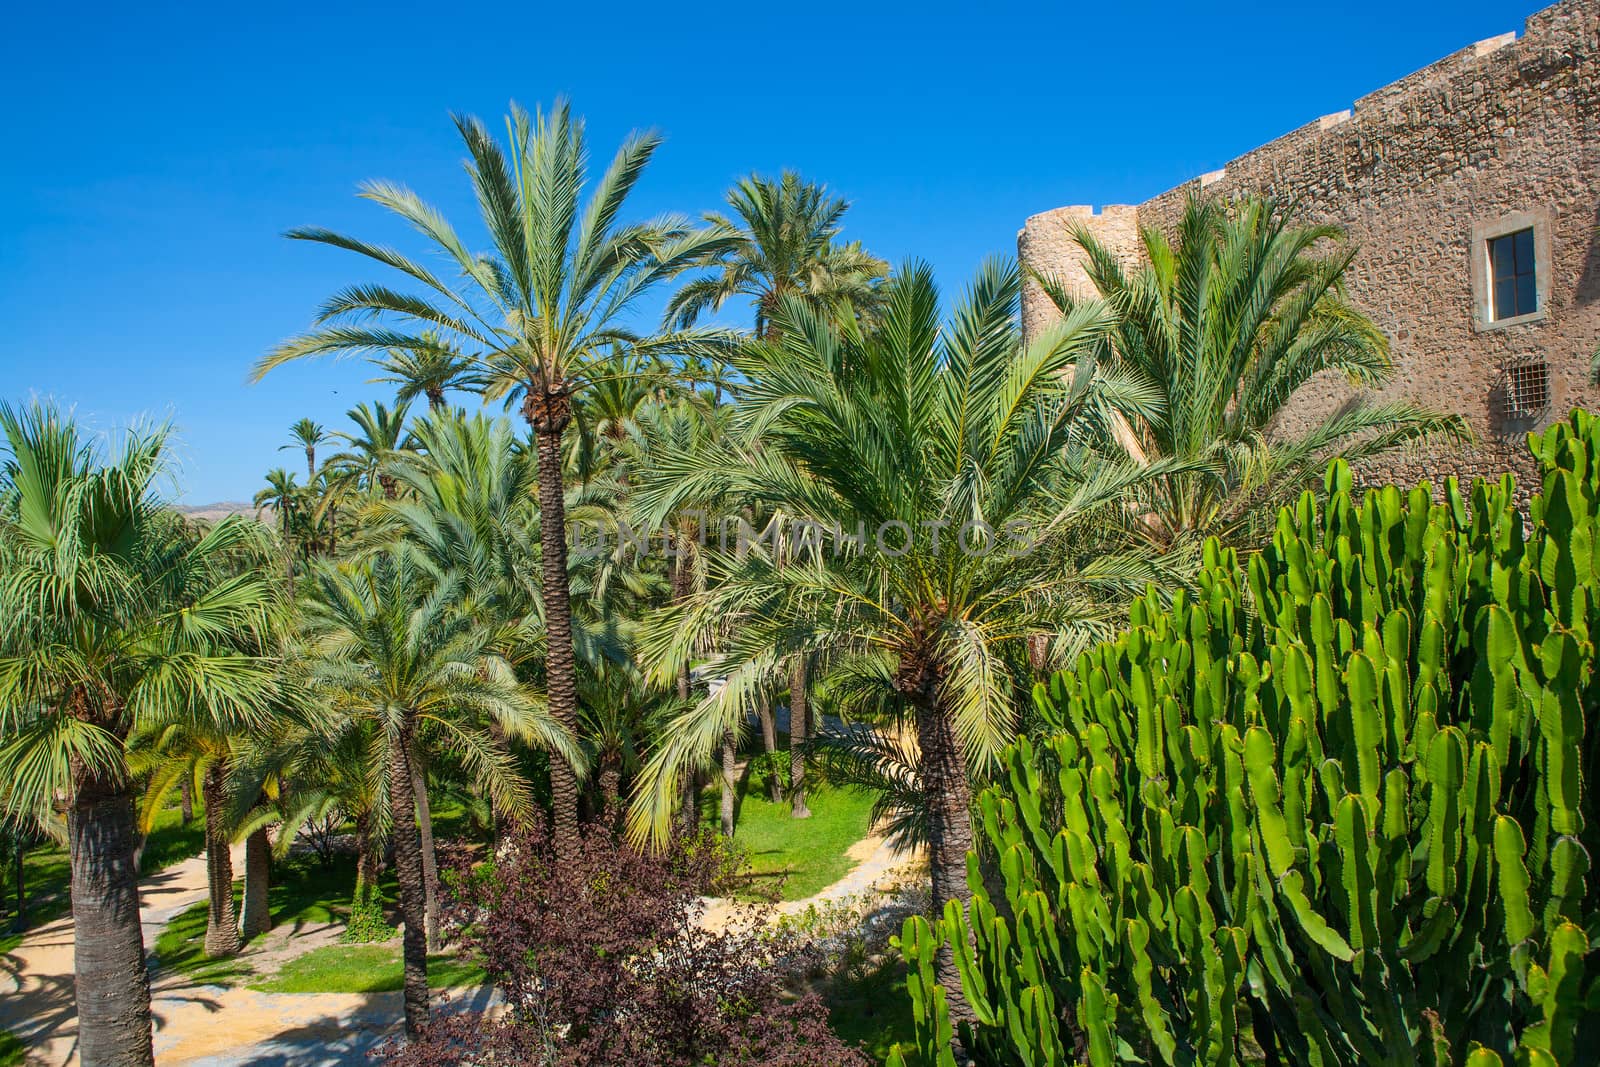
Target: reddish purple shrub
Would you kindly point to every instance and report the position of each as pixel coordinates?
(601, 963)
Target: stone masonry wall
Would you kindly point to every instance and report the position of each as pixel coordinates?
(1507, 127)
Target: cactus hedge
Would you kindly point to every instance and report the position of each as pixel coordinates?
(1328, 807)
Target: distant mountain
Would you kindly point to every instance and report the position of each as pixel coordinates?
(221, 509)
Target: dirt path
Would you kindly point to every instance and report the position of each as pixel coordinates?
(877, 867)
(36, 996)
(198, 1024)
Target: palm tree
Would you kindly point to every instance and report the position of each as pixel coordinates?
(390, 644)
(964, 515)
(282, 495)
(205, 754)
(430, 369)
(117, 619)
(550, 299)
(382, 435)
(1224, 324)
(307, 436)
(785, 243)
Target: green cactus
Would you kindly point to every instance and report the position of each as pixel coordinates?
(1328, 804)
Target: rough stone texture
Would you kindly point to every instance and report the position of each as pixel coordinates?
(1505, 126)
(1046, 244)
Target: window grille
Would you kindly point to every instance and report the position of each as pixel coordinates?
(1525, 389)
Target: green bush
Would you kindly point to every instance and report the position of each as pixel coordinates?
(1328, 809)
(367, 923)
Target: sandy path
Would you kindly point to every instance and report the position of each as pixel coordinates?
(193, 1024)
(877, 867)
(36, 996)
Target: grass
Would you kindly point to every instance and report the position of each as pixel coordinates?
(171, 842)
(798, 857)
(12, 1050)
(362, 969)
(872, 1009)
(48, 871)
(303, 893)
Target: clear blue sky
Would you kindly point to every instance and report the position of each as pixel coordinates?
(154, 154)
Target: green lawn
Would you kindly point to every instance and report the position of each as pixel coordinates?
(872, 1010)
(798, 857)
(170, 841)
(303, 893)
(361, 969)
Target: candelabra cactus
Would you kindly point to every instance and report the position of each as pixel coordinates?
(1326, 808)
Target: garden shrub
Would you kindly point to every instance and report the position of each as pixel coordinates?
(1329, 808)
(600, 961)
(367, 923)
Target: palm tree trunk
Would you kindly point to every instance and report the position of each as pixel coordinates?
(797, 738)
(112, 986)
(21, 922)
(610, 790)
(430, 859)
(769, 743)
(366, 862)
(186, 797)
(548, 411)
(947, 797)
(222, 930)
(727, 783)
(408, 871)
(257, 917)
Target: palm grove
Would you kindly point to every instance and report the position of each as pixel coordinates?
(933, 512)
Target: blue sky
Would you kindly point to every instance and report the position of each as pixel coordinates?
(154, 154)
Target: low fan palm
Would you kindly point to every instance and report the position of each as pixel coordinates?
(117, 619)
(1225, 323)
(945, 468)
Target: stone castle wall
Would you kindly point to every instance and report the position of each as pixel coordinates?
(1504, 133)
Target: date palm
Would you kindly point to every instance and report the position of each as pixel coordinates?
(966, 515)
(550, 299)
(785, 243)
(203, 754)
(381, 436)
(117, 619)
(429, 369)
(1226, 323)
(390, 643)
(307, 435)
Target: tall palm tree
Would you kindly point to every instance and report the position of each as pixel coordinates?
(117, 619)
(307, 435)
(1225, 323)
(430, 370)
(785, 243)
(549, 300)
(391, 644)
(965, 517)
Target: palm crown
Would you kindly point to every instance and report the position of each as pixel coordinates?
(1224, 324)
(784, 242)
(947, 468)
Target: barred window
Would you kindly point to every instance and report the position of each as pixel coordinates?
(1525, 389)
